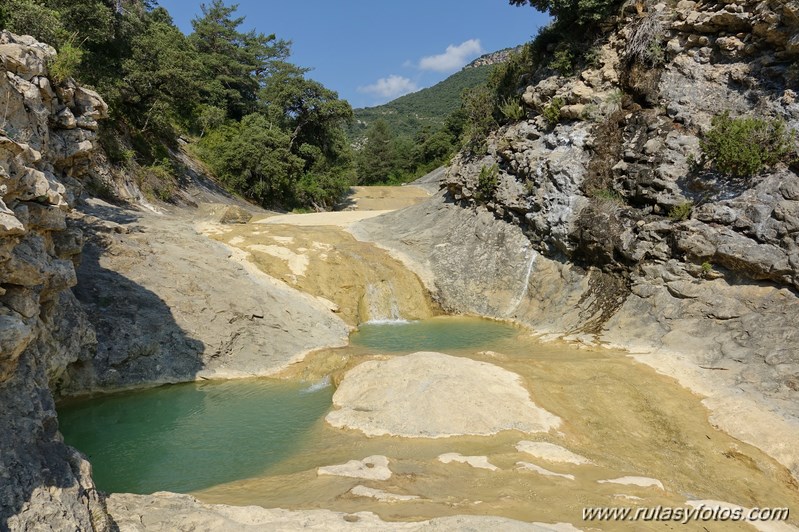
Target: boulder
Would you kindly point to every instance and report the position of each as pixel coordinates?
(433, 395)
(233, 214)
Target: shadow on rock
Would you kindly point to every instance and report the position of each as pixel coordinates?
(42, 480)
(138, 340)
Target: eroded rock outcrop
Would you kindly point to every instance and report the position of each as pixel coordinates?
(169, 511)
(577, 235)
(433, 395)
(46, 137)
(170, 305)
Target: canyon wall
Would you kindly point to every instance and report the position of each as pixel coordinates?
(47, 134)
(573, 226)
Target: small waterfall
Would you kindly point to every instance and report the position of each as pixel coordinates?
(318, 385)
(381, 304)
(526, 286)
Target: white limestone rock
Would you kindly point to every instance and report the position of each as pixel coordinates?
(370, 468)
(551, 452)
(479, 462)
(433, 395)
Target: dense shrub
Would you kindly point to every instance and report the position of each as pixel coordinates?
(511, 109)
(577, 13)
(479, 105)
(551, 112)
(487, 181)
(507, 77)
(253, 159)
(563, 61)
(743, 147)
(682, 211)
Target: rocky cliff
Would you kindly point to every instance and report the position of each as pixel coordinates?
(47, 133)
(492, 58)
(96, 297)
(569, 220)
(568, 231)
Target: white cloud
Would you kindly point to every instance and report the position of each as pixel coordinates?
(454, 58)
(390, 87)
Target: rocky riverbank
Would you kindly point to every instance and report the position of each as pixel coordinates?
(573, 237)
(577, 235)
(47, 135)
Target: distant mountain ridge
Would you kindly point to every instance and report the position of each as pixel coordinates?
(429, 107)
(409, 114)
(500, 56)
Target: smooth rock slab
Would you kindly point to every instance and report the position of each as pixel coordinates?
(480, 462)
(433, 395)
(644, 482)
(380, 495)
(527, 466)
(370, 468)
(171, 511)
(551, 452)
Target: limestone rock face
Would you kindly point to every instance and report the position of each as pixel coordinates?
(45, 141)
(168, 305)
(433, 395)
(588, 200)
(581, 236)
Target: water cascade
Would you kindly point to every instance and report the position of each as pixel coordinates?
(379, 304)
(363, 281)
(514, 307)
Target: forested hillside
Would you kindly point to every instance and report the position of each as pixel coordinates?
(263, 128)
(414, 134)
(429, 107)
(266, 130)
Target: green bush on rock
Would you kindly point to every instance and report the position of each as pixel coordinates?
(551, 112)
(745, 146)
(487, 181)
(66, 62)
(682, 211)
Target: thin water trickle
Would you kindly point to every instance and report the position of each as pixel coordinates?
(525, 287)
(380, 303)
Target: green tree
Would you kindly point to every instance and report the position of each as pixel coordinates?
(376, 158)
(581, 13)
(406, 158)
(210, 117)
(436, 149)
(161, 83)
(93, 21)
(252, 157)
(479, 105)
(234, 64)
(29, 17)
(303, 106)
(266, 130)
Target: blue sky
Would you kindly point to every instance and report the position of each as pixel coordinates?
(370, 52)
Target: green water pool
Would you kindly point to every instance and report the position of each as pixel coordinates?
(437, 334)
(188, 437)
